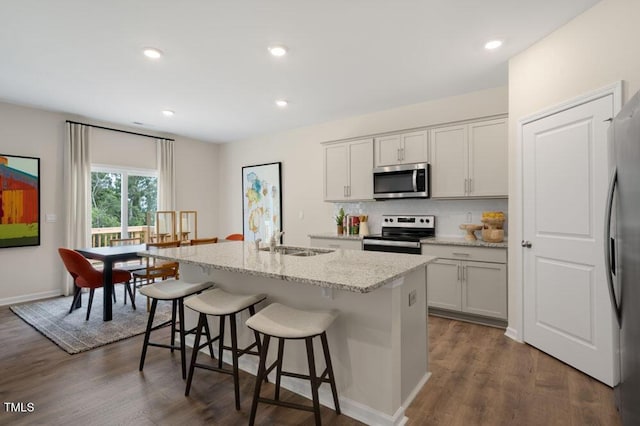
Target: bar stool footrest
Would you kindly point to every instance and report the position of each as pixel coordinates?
(163, 345)
(213, 368)
(286, 404)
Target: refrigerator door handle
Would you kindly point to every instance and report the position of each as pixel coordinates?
(613, 181)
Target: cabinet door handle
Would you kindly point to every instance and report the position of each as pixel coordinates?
(461, 254)
(466, 185)
(402, 154)
(458, 267)
(398, 154)
(470, 186)
(464, 273)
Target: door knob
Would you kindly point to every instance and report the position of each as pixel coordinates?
(526, 244)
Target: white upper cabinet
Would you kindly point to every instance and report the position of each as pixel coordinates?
(336, 171)
(449, 151)
(488, 159)
(469, 160)
(402, 148)
(348, 171)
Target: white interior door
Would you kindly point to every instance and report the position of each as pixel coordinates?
(567, 312)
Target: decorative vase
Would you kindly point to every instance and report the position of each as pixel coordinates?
(340, 229)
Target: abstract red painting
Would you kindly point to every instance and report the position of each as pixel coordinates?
(19, 201)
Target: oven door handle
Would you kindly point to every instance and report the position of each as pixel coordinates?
(388, 243)
(415, 181)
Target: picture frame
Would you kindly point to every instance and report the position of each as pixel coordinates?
(19, 201)
(261, 201)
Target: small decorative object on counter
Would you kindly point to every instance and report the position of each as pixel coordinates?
(364, 225)
(354, 227)
(340, 221)
(492, 230)
(471, 229)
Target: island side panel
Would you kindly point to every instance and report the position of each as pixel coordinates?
(365, 340)
(414, 335)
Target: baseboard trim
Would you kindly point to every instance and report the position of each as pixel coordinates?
(30, 297)
(348, 407)
(417, 389)
(512, 333)
(463, 316)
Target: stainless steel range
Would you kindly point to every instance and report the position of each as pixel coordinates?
(401, 234)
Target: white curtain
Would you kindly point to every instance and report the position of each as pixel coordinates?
(166, 175)
(77, 184)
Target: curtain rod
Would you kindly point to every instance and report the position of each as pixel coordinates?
(118, 130)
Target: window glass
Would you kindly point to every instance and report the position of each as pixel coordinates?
(106, 205)
(111, 218)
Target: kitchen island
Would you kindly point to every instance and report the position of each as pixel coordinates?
(378, 342)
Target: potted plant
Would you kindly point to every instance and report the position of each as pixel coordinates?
(340, 221)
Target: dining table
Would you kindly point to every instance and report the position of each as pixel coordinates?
(108, 256)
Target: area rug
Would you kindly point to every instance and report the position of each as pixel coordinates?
(73, 334)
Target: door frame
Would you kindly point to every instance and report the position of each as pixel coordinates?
(515, 329)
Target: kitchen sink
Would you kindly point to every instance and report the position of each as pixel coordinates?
(298, 251)
(305, 253)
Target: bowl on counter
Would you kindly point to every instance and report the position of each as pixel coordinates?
(471, 229)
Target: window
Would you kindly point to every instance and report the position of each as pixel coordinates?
(123, 203)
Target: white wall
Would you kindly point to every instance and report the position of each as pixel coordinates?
(300, 152)
(29, 273)
(597, 48)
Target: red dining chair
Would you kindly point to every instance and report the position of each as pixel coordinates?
(235, 237)
(86, 276)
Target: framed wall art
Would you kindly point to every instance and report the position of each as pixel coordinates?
(261, 201)
(19, 201)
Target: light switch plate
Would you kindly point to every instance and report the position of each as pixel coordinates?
(51, 217)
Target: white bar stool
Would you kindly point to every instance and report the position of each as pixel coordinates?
(222, 304)
(283, 322)
(176, 291)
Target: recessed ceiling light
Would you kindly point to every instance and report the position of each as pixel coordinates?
(493, 44)
(282, 103)
(152, 53)
(278, 50)
(168, 113)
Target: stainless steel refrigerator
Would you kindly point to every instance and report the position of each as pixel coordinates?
(622, 251)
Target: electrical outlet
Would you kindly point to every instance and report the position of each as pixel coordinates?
(412, 297)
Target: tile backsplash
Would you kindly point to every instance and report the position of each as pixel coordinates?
(449, 213)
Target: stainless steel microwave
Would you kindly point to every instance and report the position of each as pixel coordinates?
(402, 181)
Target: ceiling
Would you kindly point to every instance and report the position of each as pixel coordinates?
(345, 57)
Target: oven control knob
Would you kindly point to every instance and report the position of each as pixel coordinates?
(386, 220)
(390, 220)
(421, 220)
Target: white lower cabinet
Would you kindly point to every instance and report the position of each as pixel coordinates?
(443, 279)
(472, 286)
(336, 243)
(485, 289)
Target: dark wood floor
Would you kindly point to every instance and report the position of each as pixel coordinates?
(479, 377)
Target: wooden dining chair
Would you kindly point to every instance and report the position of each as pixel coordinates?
(155, 269)
(235, 237)
(200, 241)
(86, 276)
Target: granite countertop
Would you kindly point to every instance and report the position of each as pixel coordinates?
(351, 270)
(456, 241)
(333, 235)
